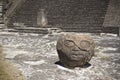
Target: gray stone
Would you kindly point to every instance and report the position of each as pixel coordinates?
(75, 50)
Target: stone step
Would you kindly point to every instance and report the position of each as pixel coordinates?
(82, 30)
(2, 26)
(35, 30)
(88, 18)
(111, 30)
(27, 31)
(1, 22)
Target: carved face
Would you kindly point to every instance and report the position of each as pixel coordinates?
(75, 48)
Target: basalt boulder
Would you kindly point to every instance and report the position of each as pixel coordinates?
(75, 50)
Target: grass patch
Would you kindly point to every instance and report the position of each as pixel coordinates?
(99, 54)
(4, 75)
(7, 70)
(102, 56)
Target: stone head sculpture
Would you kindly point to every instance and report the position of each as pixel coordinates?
(75, 50)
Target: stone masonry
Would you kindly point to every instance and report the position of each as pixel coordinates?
(69, 15)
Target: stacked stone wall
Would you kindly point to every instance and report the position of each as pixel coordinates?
(69, 15)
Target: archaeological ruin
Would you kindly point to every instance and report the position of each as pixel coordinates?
(59, 40)
(94, 16)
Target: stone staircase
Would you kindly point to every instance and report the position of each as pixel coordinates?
(10, 8)
(69, 15)
(1, 17)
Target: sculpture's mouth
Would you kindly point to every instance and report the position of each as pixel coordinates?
(78, 55)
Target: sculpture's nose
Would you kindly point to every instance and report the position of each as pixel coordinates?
(75, 48)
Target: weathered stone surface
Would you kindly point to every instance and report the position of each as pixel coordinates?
(41, 18)
(69, 15)
(75, 50)
(38, 60)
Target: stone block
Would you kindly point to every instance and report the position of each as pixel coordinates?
(75, 50)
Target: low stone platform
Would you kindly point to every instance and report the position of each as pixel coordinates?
(33, 30)
(35, 55)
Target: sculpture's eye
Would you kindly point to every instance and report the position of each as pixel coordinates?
(84, 44)
(69, 43)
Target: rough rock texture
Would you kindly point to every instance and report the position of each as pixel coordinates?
(35, 56)
(75, 50)
(69, 15)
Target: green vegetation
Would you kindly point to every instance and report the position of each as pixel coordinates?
(4, 75)
(7, 70)
(101, 55)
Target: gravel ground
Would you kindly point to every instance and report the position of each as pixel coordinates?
(35, 55)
